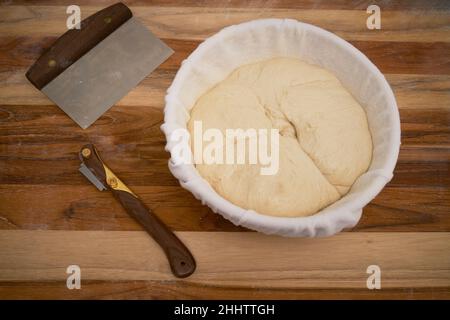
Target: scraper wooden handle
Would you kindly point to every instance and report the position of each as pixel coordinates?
(181, 261)
(73, 44)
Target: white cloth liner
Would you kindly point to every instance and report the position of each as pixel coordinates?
(256, 40)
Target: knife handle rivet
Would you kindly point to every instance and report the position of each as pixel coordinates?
(107, 20)
(51, 63)
(86, 152)
(112, 182)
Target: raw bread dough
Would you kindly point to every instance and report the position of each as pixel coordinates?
(325, 142)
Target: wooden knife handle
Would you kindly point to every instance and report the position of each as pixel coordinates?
(75, 43)
(180, 259)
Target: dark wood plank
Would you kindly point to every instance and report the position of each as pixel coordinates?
(423, 127)
(291, 4)
(33, 151)
(186, 290)
(26, 127)
(407, 209)
(407, 57)
(84, 208)
(415, 91)
(390, 57)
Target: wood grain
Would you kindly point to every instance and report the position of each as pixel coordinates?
(240, 258)
(414, 81)
(405, 5)
(84, 208)
(184, 22)
(50, 216)
(134, 148)
(182, 290)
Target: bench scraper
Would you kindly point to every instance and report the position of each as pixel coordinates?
(87, 70)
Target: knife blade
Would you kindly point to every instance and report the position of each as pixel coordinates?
(91, 177)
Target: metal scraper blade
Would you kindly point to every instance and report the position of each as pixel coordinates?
(106, 73)
(91, 177)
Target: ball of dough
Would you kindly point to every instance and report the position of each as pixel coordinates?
(324, 138)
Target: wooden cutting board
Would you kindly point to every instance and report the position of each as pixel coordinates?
(51, 217)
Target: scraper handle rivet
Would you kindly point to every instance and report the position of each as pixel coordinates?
(107, 20)
(86, 152)
(51, 63)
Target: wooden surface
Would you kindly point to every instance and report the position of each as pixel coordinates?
(51, 217)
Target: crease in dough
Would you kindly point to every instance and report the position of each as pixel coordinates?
(325, 142)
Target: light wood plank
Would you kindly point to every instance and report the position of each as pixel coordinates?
(201, 22)
(407, 260)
